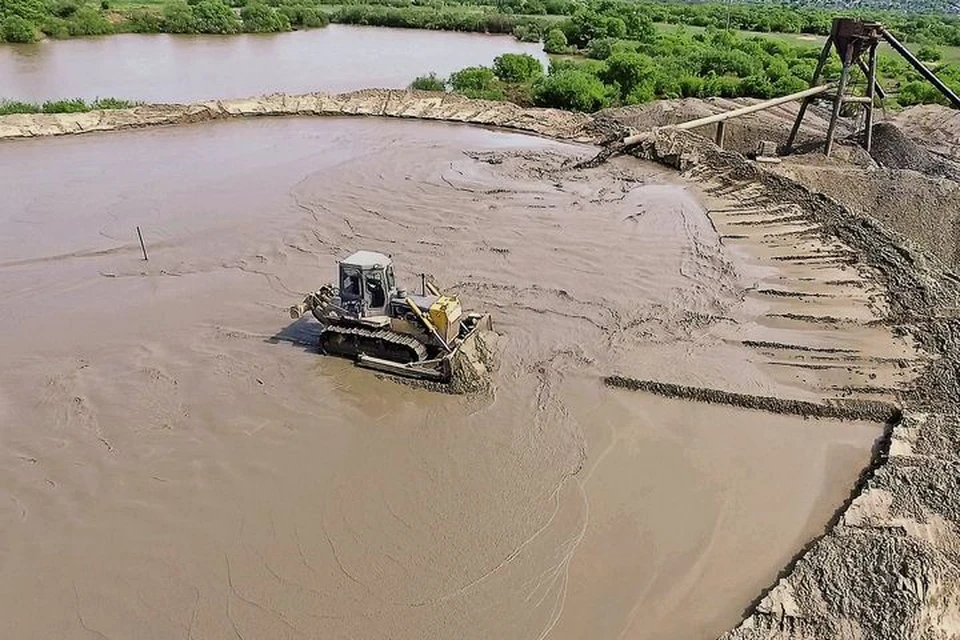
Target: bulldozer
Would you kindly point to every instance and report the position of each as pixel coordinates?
(381, 326)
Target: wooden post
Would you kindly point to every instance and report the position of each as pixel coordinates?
(143, 247)
(878, 90)
(721, 133)
(838, 103)
(871, 93)
(817, 74)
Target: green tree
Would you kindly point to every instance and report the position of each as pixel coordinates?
(17, 29)
(31, 10)
(918, 92)
(929, 54)
(213, 16)
(429, 83)
(477, 82)
(311, 18)
(142, 20)
(555, 42)
(758, 86)
(87, 21)
(527, 32)
(259, 17)
(629, 71)
(517, 67)
(571, 89)
(178, 18)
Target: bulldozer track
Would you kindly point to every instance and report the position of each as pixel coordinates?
(379, 343)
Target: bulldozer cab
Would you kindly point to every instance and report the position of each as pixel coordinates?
(367, 283)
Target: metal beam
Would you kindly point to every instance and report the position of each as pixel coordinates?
(921, 69)
(736, 113)
(877, 89)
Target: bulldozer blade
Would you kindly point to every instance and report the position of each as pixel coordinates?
(413, 370)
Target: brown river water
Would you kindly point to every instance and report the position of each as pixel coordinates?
(177, 68)
(178, 462)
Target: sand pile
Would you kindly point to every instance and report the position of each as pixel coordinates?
(893, 149)
(742, 134)
(907, 187)
(934, 126)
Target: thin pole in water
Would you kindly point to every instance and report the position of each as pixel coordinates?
(143, 247)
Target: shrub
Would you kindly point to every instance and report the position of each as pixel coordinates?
(302, 16)
(629, 71)
(178, 18)
(477, 82)
(429, 83)
(213, 16)
(527, 32)
(929, 54)
(144, 21)
(77, 105)
(33, 11)
(571, 89)
(310, 18)
(517, 67)
(555, 42)
(15, 106)
(55, 27)
(261, 18)
(112, 103)
(65, 8)
(918, 92)
(17, 29)
(87, 21)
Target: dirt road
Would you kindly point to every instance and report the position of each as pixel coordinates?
(177, 461)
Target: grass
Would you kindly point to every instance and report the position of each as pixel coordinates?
(76, 105)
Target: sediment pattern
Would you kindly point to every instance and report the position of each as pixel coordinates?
(889, 567)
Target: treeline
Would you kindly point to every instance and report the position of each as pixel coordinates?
(452, 18)
(940, 30)
(630, 62)
(28, 20)
(903, 6)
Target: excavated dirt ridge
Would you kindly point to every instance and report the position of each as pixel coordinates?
(196, 472)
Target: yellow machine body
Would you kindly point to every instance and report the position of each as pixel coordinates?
(445, 315)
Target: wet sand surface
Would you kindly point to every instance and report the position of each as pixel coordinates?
(170, 468)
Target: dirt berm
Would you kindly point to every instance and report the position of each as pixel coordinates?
(373, 102)
(889, 565)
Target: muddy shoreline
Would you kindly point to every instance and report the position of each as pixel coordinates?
(888, 568)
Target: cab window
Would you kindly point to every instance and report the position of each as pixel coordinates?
(350, 284)
(375, 288)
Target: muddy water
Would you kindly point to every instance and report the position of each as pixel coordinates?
(176, 461)
(172, 68)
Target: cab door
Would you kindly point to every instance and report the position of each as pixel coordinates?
(376, 292)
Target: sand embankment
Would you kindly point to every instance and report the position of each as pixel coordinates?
(420, 105)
